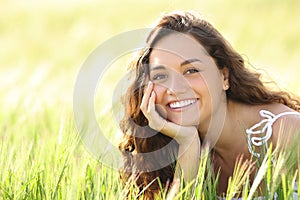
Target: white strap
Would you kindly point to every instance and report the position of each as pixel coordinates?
(259, 140)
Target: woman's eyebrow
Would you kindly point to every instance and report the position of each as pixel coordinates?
(186, 62)
(157, 67)
(189, 61)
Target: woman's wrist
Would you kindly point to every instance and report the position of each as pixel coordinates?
(182, 134)
(188, 152)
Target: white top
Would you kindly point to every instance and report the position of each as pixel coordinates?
(263, 135)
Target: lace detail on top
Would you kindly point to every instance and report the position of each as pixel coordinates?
(259, 139)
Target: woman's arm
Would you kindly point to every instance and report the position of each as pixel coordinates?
(188, 160)
(186, 136)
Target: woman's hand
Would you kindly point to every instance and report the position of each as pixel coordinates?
(155, 120)
(186, 136)
(182, 134)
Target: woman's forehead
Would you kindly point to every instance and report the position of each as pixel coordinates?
(177, 48)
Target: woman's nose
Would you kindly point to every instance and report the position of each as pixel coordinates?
(177, 84)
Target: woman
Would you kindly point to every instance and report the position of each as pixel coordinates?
(191, 89)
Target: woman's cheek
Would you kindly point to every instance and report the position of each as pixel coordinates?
(159, 90)
(159, 103)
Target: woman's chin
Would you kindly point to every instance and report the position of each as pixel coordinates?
(185, 118)
(184, 122)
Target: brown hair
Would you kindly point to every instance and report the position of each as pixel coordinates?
(245, 86)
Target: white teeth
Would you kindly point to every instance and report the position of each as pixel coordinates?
(183, 103)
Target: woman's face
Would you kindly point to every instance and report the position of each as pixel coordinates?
(186, 80)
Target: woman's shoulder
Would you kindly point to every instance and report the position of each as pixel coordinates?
(275, 114)
(282, 114)
(278, 108)
(276, 121)
(285, 121)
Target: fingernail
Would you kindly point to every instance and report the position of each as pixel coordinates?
(152, 93)
(149, 83)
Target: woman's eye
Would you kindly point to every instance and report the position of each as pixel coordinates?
(191, 71)
(158, 77)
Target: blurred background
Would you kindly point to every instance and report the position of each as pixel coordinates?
(44, 43)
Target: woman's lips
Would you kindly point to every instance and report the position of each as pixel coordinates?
(181, 104)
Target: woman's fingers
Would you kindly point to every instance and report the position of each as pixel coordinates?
(151, 104)
(148, 108)
(155, 120)
(145, 99)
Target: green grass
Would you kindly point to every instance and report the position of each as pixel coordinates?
(43, 45)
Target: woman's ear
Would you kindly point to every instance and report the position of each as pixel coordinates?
(225, 78)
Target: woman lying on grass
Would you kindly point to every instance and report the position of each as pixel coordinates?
(192, 89)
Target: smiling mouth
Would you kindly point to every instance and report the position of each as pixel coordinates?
(182, 103)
